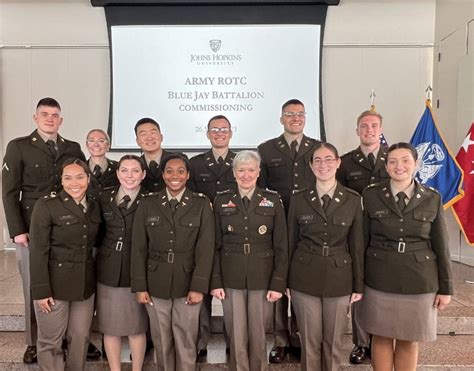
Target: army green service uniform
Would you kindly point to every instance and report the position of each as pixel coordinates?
(118, 312)
(62, 238)
(172, 255)
(356, 173)
(407, 263)
(251, 258)
(30, 171)
(153, 181)
(208, 176)
(327, 264)
(106, 179)
(283, 173)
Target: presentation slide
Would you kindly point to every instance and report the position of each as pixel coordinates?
(181, 76)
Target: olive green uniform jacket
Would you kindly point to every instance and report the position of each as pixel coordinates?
(209, 177)
(62, 237)
(280, 172)
(356, 173)
(326, 249)
(29, 172)
(172, 254)
(114, 256)
(407, 252)
(107, 179)
(251, 245)
(155, 182)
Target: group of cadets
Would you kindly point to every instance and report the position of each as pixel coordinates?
(31, 170)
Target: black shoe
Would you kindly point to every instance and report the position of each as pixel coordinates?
(277, 354)
(149, 346)
(93, 354)
(359, 354)
(295, 352)
(201, 353)
(30, 356)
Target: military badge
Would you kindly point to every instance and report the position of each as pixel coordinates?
(265, 203)
(262, 229)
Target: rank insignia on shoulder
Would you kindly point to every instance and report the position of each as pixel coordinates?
(229, 204)
(5, 167)
(265, 203)
(199, 194)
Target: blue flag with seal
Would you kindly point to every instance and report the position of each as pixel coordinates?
(437, 167)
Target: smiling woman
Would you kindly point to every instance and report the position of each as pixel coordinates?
(63, 232)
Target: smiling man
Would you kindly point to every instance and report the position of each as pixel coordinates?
(149, 139)
(285, 168)
(31, 171)
(211, 172)
(359, 168)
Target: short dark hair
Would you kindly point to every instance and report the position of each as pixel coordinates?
(175, 156)
(134, 158)
(76, 161)
(146, 120)
(292, 101)
(403, 145)
(327, 145)
(48, 102)
(218, 117)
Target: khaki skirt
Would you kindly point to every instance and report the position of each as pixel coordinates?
(399, 316)
(118, 313)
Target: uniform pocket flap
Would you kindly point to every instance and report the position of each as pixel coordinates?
(153, 221)
(67, 220)
(302, 258)
(424, 256)
(424, 215)
(342, 220)
(265, 211)
(191, 221)
(266, 254)
(342, 261)
(61, 265)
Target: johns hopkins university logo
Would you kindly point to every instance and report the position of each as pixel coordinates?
(430, 157)
(215, 45)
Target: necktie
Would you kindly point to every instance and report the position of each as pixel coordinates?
(246, 202)
(326, 200)
(173, 205)
(124, 203)
(401, 200)
(153, 166)
(52, 147)
(97, 171)
(371, 159)
(220, 162)
(82, 207)
(293, 146)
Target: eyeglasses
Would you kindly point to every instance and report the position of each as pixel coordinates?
(98, 141)
(318, 161)
(294, 114)
(219, 130)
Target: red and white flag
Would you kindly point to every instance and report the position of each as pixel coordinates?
(464, 208)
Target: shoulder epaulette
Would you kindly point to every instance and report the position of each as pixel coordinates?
(270, 191)
(350, 190)
(199, 194)
(149, 194)
(51, 196)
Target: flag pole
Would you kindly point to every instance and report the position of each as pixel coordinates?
(372, 100)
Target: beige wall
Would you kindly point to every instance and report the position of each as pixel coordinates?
(59, 48)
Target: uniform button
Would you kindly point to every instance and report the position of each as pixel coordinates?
(325, 233)
(372, 177)
(152, 223)
(427, 257)
(171, 232)
(325, 224)
(401, 229)
(345, 261)
(171, 241)
(83, 247)
(296, 185)
(84, 236)
(85, 226)
(245, 218)
(296, 164)
(246, 238)
(401, 220)
(60, 265)
(325, 243)
(246, 228)
(343, 223)
(27, 207)
(400, 239)
(120, 238)
(296, 174)
(155, 184)
(218, 182)
(424, 218)
(67, 223)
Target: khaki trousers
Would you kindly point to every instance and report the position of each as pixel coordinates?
(360, 337)
(205, 318)
(174, 330)
(70, 318)
(23, 261)
(322, 323)
(245, 314)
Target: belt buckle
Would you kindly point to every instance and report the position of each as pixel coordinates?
(170, 257)
(401, 247)
(118, 246)
(325, 251)
(246, 248)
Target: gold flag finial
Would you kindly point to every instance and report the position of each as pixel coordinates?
(372, 100)
(428, 92)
